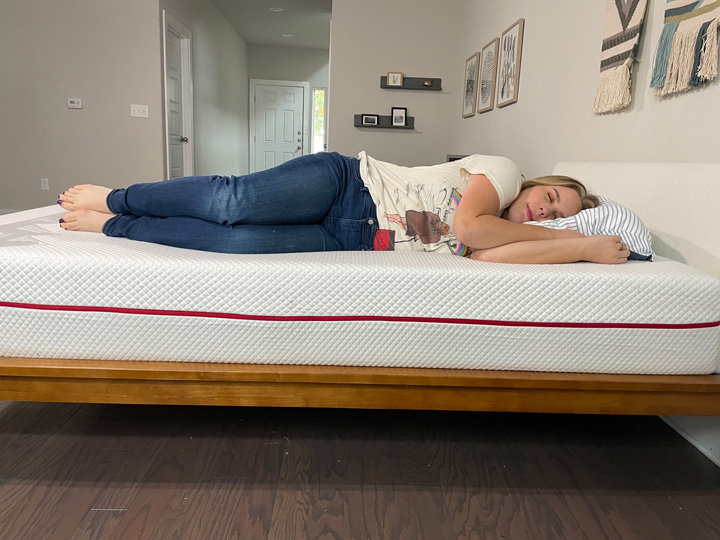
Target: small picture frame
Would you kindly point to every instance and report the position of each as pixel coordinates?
(394, 78)
(470, 86)
(487, 74)
(399, 116)
(511, 44)
(370, 119)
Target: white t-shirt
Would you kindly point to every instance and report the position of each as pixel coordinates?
(416, 205)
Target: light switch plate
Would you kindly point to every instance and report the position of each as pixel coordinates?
(74, 103)
(139, 111)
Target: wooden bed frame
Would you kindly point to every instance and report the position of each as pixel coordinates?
(27, 379)
(430, 389)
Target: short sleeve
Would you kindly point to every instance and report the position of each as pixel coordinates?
(502, 172)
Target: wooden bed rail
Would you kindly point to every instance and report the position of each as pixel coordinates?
(130, 382)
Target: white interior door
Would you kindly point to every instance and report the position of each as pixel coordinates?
(278, 123)
(178, 99)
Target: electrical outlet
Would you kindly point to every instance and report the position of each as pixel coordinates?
(139, 111)
(45, 184)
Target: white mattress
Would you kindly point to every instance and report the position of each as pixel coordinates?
(86, 296)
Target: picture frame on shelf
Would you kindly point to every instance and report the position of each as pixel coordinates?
(470, 86)
(370, 119)
(511, 43)
(394, 78)
(487, 74)
(398, 116)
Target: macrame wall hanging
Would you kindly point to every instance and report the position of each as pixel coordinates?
(687, 51)
(621, 35)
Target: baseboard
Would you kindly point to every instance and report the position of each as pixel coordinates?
(703, 432)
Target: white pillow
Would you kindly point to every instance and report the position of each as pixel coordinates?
(609, 218)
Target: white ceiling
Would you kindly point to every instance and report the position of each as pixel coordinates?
(307, 20)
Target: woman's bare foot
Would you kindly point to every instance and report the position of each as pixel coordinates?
(87, 197)
(84, 220)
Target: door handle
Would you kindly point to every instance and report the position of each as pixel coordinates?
(183, 139)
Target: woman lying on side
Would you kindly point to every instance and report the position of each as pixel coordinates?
(476, 207)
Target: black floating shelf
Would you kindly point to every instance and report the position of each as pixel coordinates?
(413, 83)
(385, 122)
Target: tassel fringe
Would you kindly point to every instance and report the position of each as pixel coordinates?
(613, 90)
(663, 55)
(686, 57)
(708, 69)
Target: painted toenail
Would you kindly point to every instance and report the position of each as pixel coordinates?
(61, 221)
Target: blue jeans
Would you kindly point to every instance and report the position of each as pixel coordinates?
(316, 202)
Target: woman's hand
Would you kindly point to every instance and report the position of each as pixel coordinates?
(597, 249)
(605, 249)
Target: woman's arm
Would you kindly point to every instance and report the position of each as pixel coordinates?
(477, 226)
(598, 249)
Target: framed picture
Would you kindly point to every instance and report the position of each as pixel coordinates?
(509, 67)
(370, 119)
(488, 72)
(470, 88)
(394, 78)
(399, 116)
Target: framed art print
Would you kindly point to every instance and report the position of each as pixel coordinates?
(399, 116)
(394, 78)
(488, 72)
(509, 68)
(370, 119)
(470, 88)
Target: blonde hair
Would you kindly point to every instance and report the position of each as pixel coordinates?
(587, 199)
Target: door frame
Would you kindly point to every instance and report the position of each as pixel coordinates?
(172, 25)
(307, 112)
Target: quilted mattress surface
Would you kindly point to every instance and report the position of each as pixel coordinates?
(86, 296)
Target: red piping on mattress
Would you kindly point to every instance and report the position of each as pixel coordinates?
(346, 318)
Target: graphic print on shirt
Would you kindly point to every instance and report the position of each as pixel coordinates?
(430, 227)
(423, 226)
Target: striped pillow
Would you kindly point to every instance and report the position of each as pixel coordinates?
(609, 218)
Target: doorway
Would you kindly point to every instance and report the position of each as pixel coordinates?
(178, 99)
(279, 122)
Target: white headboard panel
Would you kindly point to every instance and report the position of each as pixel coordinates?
(679, 202)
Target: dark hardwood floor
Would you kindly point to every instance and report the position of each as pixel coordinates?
(194, 473)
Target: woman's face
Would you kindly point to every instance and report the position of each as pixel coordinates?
(540, 203)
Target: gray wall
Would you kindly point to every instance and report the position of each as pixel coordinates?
(552, 121)
(220, 87)
(108, 54)
(416, 37)
(286, 64)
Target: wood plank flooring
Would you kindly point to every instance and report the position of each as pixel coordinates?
(116, 472)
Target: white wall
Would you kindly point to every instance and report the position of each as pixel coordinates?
(108, 54)
(553, 119)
